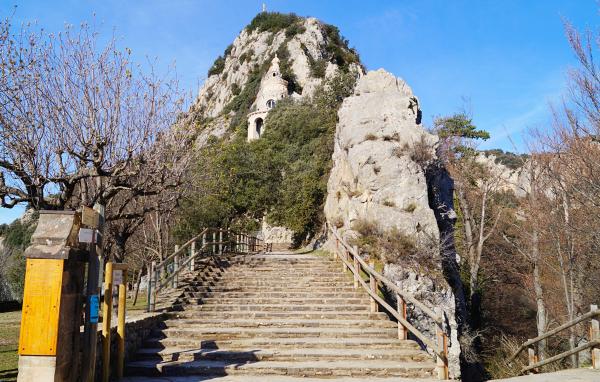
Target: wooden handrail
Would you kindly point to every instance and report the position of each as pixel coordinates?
(558, 357)
(594, 343)
(389, 284)
(249, 244)
(393, 311)
(528, 343)
(440, 349)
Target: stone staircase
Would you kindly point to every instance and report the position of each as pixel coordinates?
(270, 317)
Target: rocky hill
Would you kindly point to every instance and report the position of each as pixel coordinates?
(340, 145)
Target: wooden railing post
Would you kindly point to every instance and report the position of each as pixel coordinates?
(401, 305)
(121, 325)
(215, 247)
(220, 242)
(373, 285)
(176, 267)
(356, 267)
(106, 317)
(193, 255)
(442, 343)
(204, 241)
(337, 243)
(532, 358)
(595, 335)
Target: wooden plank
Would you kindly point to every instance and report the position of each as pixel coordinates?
(41, 307)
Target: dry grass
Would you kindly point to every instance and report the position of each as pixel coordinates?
(9, 340)
(370, 137)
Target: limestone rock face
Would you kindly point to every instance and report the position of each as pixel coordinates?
(380, 155)
(251, 49)
(374, 177)
(280, 237)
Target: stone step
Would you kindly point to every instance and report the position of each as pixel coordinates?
(272, 378)
(309, 315)
(282, 343)
(367, 368)
(273, 278)
(266, 288)
(281, 300)
(249, 355)
(280, 323)
(275, 332)
(308, 294)
(277, 308)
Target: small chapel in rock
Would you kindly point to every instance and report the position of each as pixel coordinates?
(273, 88)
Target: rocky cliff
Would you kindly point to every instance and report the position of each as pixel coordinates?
(386, 176)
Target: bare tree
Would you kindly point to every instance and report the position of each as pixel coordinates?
(79, 122)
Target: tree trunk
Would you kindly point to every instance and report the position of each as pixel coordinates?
(137, 286)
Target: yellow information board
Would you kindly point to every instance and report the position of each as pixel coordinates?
(41, 307)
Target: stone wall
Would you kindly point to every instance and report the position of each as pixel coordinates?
(137, 329)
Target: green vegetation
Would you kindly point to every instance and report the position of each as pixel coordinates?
(217, 67)
(338, 49)
(17, 237)
(283, 175)
(9, 341)
(272, 22)
(510, 160)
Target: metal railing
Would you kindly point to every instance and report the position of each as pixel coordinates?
(209, 242)
(351, 260)
(594, 343)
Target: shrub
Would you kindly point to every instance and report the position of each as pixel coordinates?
(370, 137)
(318, 68)
(294, 29)
(411, 207)
(235, 89)
(421, 152)
(389, 203)
(365, 227)
(228, 50)
(217, 67)
(400, 151)
(272, 22)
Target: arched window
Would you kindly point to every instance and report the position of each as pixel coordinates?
(271, 103)
(258, 125)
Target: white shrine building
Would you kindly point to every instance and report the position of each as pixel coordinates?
(273, 88)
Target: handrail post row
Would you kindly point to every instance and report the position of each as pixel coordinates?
(595, 336)
(355, 255)
(175, 267)
(152, 285)
(442, 344)
(193, 256)
(373, 285)
(220, 242)
(401, 304)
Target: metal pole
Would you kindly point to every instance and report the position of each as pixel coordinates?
(121, 325)
(94, 277)
(106, 317)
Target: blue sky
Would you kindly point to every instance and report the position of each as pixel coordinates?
(508, 58)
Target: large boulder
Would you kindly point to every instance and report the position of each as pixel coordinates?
(379, 175)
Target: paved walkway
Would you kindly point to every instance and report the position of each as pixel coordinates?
(576, 375)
